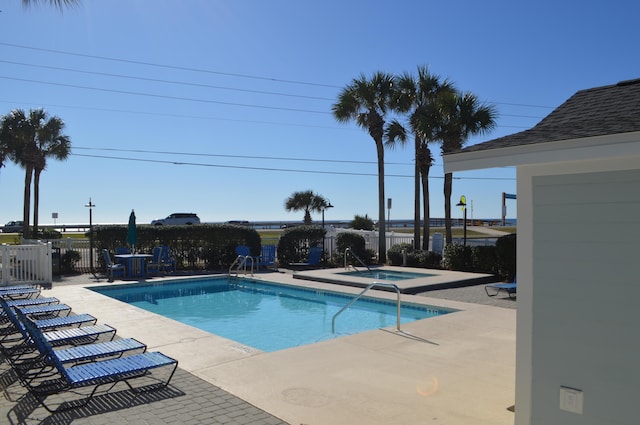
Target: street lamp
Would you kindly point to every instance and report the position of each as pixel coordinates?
(324, 207)
(463, 205)
(91, 205)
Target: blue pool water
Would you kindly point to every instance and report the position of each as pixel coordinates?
(386, 274)
(266, 316)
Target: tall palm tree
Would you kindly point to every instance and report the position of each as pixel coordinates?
(50, 143)
(462, 115)
(417, 96)
(307, 201)
(367, 102)
(29, 141)
(57, 3)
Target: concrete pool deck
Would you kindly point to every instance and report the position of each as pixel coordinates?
(453, 369)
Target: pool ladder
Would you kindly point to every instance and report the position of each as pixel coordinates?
(353, 254)
(240, 263)
(388, 285)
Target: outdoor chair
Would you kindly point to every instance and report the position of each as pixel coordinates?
(96, 374)
(245, 259)
(19, 292)
(122, 251)
(32, 367)
(112, 269)
(154, 266)
(168, 262)
(494, 289)
(314, 258)
(267, 257)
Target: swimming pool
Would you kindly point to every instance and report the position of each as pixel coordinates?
(266, 316)
(392, 275)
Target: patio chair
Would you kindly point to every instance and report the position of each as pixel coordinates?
(314, 258)
(35, 366)
(168, 262)
(98, 373)
(112, 269)
(19, 292)
(245, 252)
(154, 266)
(509, 288)
(123, 250)
(268, 257)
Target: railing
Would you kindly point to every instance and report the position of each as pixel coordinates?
(353, 254)
(25, 264)
(388, 285)
(240, 263)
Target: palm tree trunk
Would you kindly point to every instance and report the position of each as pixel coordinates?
(427, 212)
(416, 197)
(382, 238)
(448, 180)
(36, 199)
(27, 201)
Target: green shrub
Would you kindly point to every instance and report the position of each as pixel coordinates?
(357, 244)
(506, 257)
(210, 246)
(484, 259)
(294, 244)
(415, 258)
(458, 257)
(47, 233)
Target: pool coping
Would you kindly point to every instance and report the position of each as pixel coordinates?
(437, 367)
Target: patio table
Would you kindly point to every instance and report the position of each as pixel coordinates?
(135, 265)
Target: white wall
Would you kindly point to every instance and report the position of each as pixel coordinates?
(579, 291)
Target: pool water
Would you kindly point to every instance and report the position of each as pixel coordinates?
(386, 274)
(266, 316)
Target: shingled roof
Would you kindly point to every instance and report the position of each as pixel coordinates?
(598, 111)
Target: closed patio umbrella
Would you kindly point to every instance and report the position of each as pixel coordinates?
(132, 232)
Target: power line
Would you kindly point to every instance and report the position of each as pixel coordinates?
(238, 167)
(155, 80)
(182, 68)
(165, 96)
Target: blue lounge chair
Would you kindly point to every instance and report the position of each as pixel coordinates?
(112, 269)
(98, 373)
(314, 258)
(509, 288)
(35, 365)
(19, 292)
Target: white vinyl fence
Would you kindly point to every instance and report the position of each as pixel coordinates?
(25, 264)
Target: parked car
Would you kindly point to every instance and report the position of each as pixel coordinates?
(177, 219)
(13, 227)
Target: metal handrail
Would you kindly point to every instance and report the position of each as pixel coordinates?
(389, 285)
(349, 250)
(241, 261)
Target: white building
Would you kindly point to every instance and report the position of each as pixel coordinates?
(578, 312)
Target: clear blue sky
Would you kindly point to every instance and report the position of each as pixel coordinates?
(223, 108)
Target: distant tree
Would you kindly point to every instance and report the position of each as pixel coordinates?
(362, 223)
(367, 102)
(460, 115)
(29, 141)
(306, 201)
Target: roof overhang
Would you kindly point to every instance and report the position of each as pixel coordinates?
(616, 145)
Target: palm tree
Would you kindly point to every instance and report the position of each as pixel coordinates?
(417, 96)
(57, 3)
(461, 115)
(306, 201)
(29, 141)
(367, 101)
(51, 143)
